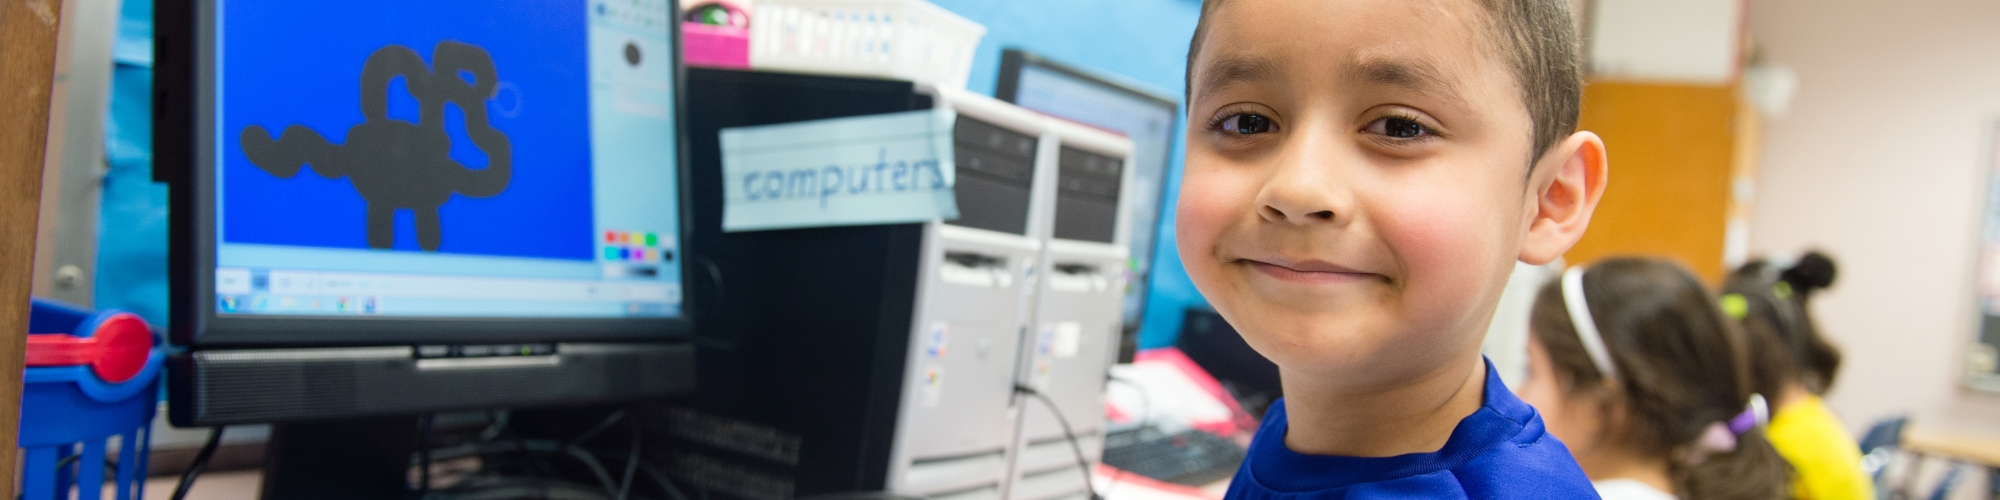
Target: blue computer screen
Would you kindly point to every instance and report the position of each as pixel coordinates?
(445, 158)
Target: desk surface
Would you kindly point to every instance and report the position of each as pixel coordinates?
(1976, 448)
(216, 485)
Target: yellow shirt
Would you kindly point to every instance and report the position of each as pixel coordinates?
(1826, 462)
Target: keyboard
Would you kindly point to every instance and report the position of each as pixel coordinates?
(1188, 457)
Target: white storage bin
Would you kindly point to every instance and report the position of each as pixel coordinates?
(899, 39)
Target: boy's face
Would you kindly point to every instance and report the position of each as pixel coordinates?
(1357, 182)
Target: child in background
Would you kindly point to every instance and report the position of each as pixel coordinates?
(1796, 365)
(1633, 366)
(1361, 178)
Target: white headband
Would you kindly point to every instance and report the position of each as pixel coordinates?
(1586, 326)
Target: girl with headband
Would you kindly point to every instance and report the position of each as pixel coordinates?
(1633, 367)
(1794, 365)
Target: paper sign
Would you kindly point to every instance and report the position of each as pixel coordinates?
(875, 169)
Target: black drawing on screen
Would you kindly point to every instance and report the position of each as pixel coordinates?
(396, 164)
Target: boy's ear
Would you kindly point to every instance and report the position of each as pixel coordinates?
(1567, 184)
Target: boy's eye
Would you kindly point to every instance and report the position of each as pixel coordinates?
(1246, 124)
(1400, 128)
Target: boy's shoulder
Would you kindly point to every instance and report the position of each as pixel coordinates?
(1530, 464)
(1501, 451)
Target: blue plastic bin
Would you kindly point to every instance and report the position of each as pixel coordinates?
(69, 416)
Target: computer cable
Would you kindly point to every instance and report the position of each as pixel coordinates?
(651, 472)
(200, 463)
(592, 458)
(631, 462)
(545, 446)
(497, 424)
(526, 489)
(1081, 463)
(601, 426)
(864, 495)
(715, 277)
(596, 467)
(424, 423)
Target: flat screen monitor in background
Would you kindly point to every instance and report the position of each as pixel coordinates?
(455, 179)
(1037, 83)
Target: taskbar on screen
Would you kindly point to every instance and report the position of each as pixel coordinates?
(245, 291)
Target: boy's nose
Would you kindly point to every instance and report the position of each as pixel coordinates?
(1275, 214)
(1304, 193)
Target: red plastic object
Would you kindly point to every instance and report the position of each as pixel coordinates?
(116, 352)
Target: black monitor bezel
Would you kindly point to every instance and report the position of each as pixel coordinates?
(1008, 88)
(183, 110)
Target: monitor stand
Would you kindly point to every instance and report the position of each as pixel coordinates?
(339, 459)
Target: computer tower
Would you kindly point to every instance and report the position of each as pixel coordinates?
(1077, 319)
(976, 292)
(860, 358)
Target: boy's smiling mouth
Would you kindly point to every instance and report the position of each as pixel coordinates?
(1314, 272)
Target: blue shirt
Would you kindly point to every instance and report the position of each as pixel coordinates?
(1501, 451)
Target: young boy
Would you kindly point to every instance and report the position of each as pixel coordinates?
(1361, 177)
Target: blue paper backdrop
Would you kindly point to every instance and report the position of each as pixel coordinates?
(132, 228)
(1145, 40)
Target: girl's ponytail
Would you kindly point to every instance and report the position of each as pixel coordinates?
(1818, 360)
(1733, 460)
(1813, 272)
(1753, 471)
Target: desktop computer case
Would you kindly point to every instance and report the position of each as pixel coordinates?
(1077, 320)
(884, 357)
(858, 358)
(958, 418)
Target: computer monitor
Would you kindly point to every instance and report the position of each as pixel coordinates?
(453, 178)
(386, 171)
(1148, 119)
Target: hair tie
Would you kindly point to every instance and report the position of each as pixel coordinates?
(1720, 437)
(1735, 306)
(1756, 414)
(1586, 326)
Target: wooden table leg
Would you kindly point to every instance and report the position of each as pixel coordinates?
(27, 65)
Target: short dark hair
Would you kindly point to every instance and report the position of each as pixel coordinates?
(1538, 39)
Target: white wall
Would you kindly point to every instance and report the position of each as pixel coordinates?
(1879, 162)
(1678, 41)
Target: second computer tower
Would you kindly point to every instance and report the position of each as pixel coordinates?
(1075, 320)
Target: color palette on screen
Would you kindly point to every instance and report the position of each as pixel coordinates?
(634, 246)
